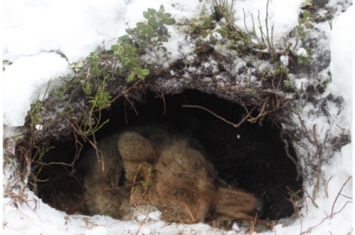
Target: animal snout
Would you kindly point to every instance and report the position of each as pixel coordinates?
(259, 206)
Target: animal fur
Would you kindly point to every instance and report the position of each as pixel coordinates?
(167, 171)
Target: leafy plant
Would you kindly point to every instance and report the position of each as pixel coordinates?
(288, 84)
(146, 37)
(153, 32)
(92, 73)
(201, 25)
(306, 3)
(5, 62)
(305, 58)
(304, 26)
(307, 19)
(127, 54)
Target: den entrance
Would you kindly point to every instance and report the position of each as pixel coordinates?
(251, 157)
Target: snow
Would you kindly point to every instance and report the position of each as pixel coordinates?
(301, 52)
(30, 76)
(342, 62)
(74, 27)
(35, 30)
(284, 59)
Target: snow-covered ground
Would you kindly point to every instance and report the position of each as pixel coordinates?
(33, 30)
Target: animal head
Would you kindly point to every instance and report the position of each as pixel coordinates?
(185, 177)
(234, 203)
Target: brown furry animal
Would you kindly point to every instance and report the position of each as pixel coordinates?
(167, 171)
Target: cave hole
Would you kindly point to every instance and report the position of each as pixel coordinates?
(251, 156)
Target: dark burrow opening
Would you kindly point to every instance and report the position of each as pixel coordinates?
(251, 156)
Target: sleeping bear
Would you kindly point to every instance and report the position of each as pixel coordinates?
(154, 166)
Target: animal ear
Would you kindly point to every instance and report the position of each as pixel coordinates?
(133, 146)
(137, 156)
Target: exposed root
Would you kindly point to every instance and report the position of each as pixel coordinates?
(161, 96)
(130, 102)
(223, 119)
(298, 167)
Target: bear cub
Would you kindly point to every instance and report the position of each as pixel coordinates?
(152, 166)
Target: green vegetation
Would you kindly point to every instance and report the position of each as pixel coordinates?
(91, 75)
(147, 37)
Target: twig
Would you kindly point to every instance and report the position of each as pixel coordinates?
(252, 225)
(146, 217)
(217, 116)
(125, 113)
(80, 132)
(326, 187)
(267, 25)
(310, 228)
(245, 25)
(125, 91)
(278, 214)
(248, 90)
(103, 189)
(298, 168)
(188, 211)
(331, 214)
(132, 199)
(287, 134)
(162, 94)
(145, 189)
(261, 113)
(303, 129)
(332, 210)
(77, 150)
(130, 102)
(163, 98)
(347, 197)
(99, 154)
(339, 141)
(272, 227)
(316, 186)
(296, 210)
(311, 198)
(134, 180)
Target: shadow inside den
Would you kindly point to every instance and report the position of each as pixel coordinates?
(251, 157)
